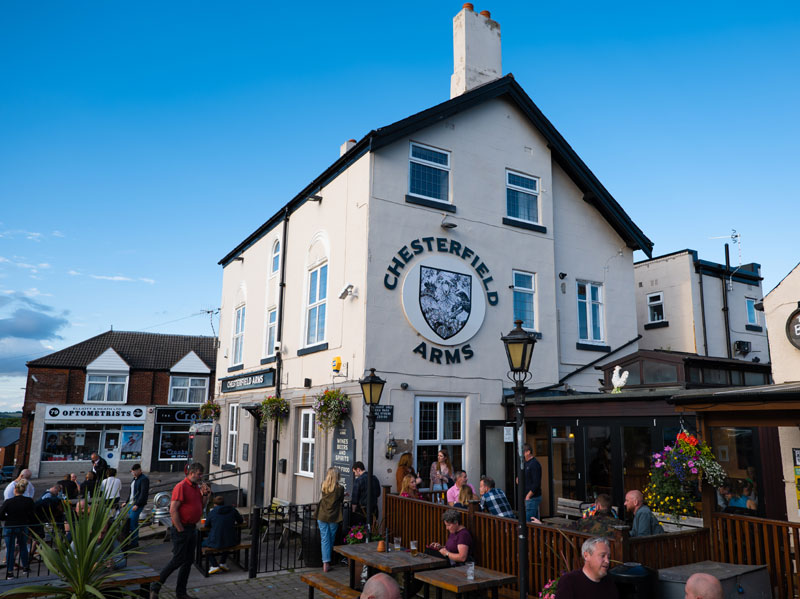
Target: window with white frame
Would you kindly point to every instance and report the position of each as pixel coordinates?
(752, 313)
(317, 299)
(233, 431)
(307, 442)
(590, 312)
(106, 388)
(429, 173)
(272, 331)
(439, 424)
(188, 389)
(522, 197)
(238, 336)
(655, 307)
(523, 298)
(276, 257)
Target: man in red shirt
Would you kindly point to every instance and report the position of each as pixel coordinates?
(185, 509)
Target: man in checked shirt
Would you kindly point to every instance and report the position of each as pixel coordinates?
(494, 500)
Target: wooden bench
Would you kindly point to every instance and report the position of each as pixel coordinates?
(237, 549)
(329, 586)
(141, 576)
(569, 507)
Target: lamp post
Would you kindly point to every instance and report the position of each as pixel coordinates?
(371, 387)
(519, 349)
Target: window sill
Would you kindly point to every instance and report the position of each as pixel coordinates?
(656, 325)
(235, 368)
(436, 204)
(312, 349)
(753, 327)
(592, 347)
(521, 224)
(304, 474)
(104, 403)
(269, 360)
(185, 404)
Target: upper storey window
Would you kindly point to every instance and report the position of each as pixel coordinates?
(317, 300)
(522, 197)
(655, 307)
(590, 312)
(276, 257)
(106, 388)
(238, 336)
(429, 173)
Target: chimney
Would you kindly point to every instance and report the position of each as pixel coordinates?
(345, 147)
(476, 50)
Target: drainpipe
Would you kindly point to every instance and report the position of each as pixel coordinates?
(703, 311)
(725, 301)
(278, 354)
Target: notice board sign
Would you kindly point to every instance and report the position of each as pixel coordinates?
(384, 413)
(343, 450)
(215, 444)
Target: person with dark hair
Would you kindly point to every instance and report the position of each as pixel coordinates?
(17, 514)
(460, 481)
(494, 500)
(600, 524)
(458, 548)
(359, 499)
(70, 487)
(222, 521)
(591, 580)
(89, 486)
(185, 509)
(99, 466)
(404, 468)
(441, 472)
(532, 483)
(111, 485)
(140, 489)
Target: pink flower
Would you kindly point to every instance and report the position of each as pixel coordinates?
(359, 535)
(694, 470)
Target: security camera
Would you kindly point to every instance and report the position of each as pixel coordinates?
(277, 347)
(346, 290)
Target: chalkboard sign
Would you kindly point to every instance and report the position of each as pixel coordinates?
(384, 413)
(216, 444)
(343, 451)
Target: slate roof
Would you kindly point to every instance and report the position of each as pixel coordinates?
(9, 435)
(141, 351)
(594, 192)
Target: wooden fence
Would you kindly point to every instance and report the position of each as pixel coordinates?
(756, 541)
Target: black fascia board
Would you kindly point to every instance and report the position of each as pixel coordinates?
(739, 275)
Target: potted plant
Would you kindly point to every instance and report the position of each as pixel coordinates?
(359, 534)
(330, 407)
(273, 408)
(210, 409)
(675, 476)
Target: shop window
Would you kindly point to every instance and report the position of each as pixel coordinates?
(590, 312)
(659, 372)
(131, 442)
(238, 336)
(272, 331)
(522, 197)
(735, 448)
(67, 442)
(438, 425)
(655, 307)
(276, 257)
(233, 431)
(429, 173)
(188, 390)
(173, 443)
(106, 388)
(307, 442)
(317, 301)
(524, 299)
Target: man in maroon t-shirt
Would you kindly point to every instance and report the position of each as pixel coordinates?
(592, 580)
(185, 509)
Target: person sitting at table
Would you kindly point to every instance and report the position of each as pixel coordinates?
(381, 586)
(404, 468)
(69, 486)
(602, 522)
(222, 521)
(89, 486)
(408, 487)
(460, 481)
(458, 548)
(465, 495)
(592, 580)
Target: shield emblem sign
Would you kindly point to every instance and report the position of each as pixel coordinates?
(445, 299)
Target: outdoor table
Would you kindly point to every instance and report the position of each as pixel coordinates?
(455, 580)
(391, 562)
(202, 532)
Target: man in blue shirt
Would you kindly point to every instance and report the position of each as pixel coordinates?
(494, 500)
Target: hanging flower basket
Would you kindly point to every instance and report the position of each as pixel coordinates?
(676, 475)
(273, 408)
(210, 409)
(330, 407)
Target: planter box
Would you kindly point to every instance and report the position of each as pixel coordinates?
(673, 524)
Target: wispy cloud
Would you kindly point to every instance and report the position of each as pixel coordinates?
(111, 277)
(19, 263)
(15, 233)
(57, 234)
(148, 281)
(74, 273)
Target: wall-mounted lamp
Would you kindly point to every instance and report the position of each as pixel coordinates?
(391, 448)
(446, 225)
(562, 275)
(315, 198)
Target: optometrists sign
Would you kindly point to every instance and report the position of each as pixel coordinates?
(446, 287)
(95, 414)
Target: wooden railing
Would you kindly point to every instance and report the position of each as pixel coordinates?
(756, 541)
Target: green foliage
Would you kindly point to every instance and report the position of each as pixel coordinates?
(84, 565)
(330, 407)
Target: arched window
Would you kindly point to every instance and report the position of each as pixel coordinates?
(276, 257)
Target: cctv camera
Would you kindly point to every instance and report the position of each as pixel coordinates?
(277, 347)
(346, 290)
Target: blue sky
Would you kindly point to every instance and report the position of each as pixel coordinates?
(140, 142)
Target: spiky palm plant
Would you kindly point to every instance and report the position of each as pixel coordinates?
(84, 564)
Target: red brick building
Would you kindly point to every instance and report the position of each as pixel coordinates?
(129, 396)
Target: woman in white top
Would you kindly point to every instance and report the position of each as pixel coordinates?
(111, 486)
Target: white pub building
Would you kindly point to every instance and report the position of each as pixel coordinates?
(411, 254)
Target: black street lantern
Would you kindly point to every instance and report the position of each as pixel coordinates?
(371, 387)
(519, 350)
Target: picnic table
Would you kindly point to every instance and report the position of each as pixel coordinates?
(455, 580)
(391, 562)
(141, 576)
